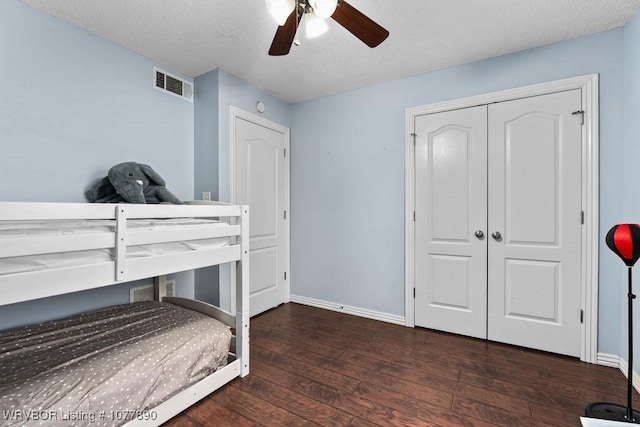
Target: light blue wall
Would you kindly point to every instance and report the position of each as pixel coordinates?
(630, 189)
(206, 167)
(348, 172)
(206, 134)
(71, 106)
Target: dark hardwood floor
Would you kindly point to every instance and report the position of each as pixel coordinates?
(318, 367)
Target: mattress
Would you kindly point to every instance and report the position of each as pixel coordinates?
(108, 366)
(26, 229)
(82, 226)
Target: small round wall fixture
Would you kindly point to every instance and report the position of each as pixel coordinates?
(260, 106)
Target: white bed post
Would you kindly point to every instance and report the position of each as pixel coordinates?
(242, 294)
(121, 242)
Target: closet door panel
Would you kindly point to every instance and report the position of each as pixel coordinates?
(526, 302)
(534, 277)
(451, 205)
(532, 210)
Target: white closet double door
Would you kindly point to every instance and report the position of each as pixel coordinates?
(498, 222)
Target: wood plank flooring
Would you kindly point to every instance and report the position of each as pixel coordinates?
(318, 367)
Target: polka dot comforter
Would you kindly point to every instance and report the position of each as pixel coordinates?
(106, 366)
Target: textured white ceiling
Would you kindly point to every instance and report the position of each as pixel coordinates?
(197, 36)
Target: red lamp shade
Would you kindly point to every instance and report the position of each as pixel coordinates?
(624, 240)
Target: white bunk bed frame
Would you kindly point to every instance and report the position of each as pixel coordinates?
(19, 287)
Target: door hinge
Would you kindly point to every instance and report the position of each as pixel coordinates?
(285, 152)
(581, 217)
(581, 112)
(414, 138)
(414, 216)
(285, 275)
(414, 292)
(581, 316)
(285, 214)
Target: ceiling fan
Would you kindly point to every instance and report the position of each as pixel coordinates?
(289, 13)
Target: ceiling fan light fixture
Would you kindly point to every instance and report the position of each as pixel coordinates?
(314, 26)
(280, 9)
(323, 8)
(357, 23)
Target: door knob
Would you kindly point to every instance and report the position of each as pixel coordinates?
(479, 234)
(496, 235)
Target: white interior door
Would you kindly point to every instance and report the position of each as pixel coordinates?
(535, 168)
(261, 183)
(451, 207)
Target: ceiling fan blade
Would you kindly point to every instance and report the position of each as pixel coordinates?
(359, 24)
(281, 44)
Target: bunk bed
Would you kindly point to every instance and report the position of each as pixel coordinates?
(49, 249)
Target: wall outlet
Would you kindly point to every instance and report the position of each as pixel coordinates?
(206, 195)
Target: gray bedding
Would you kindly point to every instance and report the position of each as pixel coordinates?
(99, 368)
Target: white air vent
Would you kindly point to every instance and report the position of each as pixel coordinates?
(171, 84)
(141, 293)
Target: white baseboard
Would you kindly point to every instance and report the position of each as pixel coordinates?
(606, 359)
(616, 361)
(369, 314)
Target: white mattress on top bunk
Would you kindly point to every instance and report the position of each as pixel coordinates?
(26, 229)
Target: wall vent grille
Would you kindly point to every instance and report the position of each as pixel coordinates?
(141, 293)
(168, 83)
(171, 288)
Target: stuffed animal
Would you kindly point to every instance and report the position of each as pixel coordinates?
(131, 182)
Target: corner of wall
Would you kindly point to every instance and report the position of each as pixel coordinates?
(206, 125)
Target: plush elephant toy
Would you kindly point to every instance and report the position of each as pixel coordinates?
(131, 182)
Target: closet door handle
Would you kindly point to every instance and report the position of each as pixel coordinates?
(496, 236)
(479, 234)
